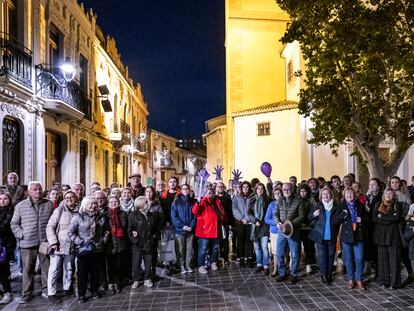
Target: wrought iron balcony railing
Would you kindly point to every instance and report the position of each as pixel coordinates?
(16, 60)
(72, 95)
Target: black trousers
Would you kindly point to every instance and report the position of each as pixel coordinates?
(87, 267)
(224, 246)
(308, 247)
(4, 276)
(389, 266)
(137, 257)
(102, 270)
(245, 245)
(115, 267)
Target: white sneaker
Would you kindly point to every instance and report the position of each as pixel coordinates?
(183, 271)
(189, 270)
(148, 283)
(135, 285)
(45, 296)
(214, 266)
(110, 287)
(308, 269)
(202, 270)
(7, 298)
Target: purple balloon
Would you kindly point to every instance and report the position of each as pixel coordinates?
(266, 169)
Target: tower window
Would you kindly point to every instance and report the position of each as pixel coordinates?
(263, 129)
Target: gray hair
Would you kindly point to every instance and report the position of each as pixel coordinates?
(86, 202)
(33, 183)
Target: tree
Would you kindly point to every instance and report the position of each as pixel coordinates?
(359, 74)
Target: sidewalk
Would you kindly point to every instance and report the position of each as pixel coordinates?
(232, 289)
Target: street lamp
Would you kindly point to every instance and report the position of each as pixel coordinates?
(45, 78)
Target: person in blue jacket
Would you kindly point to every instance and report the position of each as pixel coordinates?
(277, 194)
(184, 222)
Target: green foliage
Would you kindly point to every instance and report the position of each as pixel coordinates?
(359, 71)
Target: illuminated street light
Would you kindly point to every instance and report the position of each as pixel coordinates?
(63, 78)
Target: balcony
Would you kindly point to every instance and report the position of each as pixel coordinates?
(15, 61)
(120, 131)
(70, 101)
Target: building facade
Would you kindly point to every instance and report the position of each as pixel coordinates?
(54, 131)
(262, 91)
(169, 159)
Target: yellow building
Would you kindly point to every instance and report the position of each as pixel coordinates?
(121, 117)
(262, 121)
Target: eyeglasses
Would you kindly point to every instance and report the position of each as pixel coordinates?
(287, 189)
(72, 197)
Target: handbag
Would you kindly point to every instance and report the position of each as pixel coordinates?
(44, 248)
(85, 250)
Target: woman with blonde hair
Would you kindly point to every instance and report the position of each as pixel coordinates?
(89, 232)
(324, 232)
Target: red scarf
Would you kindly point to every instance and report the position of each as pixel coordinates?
(116, 225)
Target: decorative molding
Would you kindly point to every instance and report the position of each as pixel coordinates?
(14, 110)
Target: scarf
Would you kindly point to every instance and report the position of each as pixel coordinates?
(127, 206)
(258, 207)
(353, 209)
(328, 205)
(116, 225)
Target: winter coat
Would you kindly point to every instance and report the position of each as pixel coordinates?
(80, 231)
(116, 245)
(210, 216)
(166, 200)
(343, 218)
(57, 229)
(409, 237)
(227, 204)
(241, 207)
(146, 227)
(181, 214)
(318, 222)
(29, 222)
(6, 234)
(292, 209)
(269, 218)
(263, 229)
(387, 226)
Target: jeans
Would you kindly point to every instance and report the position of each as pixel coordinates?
(261, 249)
(210, 245)
(29, 256)
(353, 255)
(294, 253)
(184, 249)
(137, 256)
(326, 256)
(55, 272)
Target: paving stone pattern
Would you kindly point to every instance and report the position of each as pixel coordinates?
(233, 289)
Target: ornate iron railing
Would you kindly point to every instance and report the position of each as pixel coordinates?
(72, 95)
(16, 60)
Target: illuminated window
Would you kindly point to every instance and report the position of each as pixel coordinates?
(263, 129)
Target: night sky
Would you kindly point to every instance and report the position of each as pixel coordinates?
(175, 50)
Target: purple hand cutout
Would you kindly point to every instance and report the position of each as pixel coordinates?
(217, 171)
(236, 175)
(203, 174)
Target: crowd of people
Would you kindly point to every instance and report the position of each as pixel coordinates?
(117, 237)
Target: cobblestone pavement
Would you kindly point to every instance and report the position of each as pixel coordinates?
(235, 289)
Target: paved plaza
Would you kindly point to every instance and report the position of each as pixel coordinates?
(235, 289)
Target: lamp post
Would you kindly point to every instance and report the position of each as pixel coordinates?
(45, 78)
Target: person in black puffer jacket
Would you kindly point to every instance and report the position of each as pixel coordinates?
(118, 243)
(142, 231)
(8, 242)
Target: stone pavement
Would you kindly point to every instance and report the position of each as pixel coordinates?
(232, 289)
